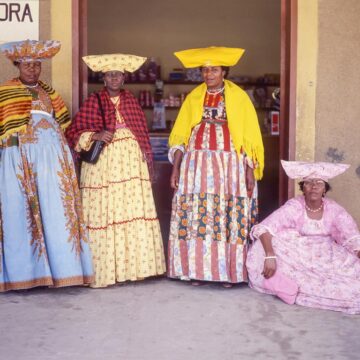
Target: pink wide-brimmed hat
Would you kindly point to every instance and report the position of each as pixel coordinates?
(313, 170)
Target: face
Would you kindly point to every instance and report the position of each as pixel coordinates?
(314, 189)
(113, 80)
(29, 72)
(213, 76)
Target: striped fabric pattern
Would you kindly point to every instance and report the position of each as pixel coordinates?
(211, 213)
(15, 107)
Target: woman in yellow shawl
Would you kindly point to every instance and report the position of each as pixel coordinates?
(217, 154)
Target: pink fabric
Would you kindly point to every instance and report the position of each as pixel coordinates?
(320, 256)
(316, 170)
(282, 286)
(215, 262)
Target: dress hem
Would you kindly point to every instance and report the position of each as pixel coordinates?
(46, 281)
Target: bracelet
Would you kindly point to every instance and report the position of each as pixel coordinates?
(270, 257)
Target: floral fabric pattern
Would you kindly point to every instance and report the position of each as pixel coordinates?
(319, 255)
(43, 235)
(211, 213)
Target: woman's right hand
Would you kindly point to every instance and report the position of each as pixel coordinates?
(269, 268)
(104, 135)
(174, 179)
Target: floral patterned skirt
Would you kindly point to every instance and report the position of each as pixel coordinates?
(43, 237)
(327, 274)
(120, 214)
(211, 212)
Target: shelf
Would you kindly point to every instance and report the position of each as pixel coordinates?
(178, 107)
(175, 82)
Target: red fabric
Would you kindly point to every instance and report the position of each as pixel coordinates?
(89, 118)
(226, 137)
(212, 144)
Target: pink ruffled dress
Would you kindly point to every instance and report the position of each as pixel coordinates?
(320, 255)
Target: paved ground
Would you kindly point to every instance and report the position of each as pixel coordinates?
(164, 319)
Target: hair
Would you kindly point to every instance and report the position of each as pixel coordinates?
(226, 69)
(16, 63)
(327, 186)
(223, 68)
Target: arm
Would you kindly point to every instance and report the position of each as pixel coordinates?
(346, 231)
(283, 218)
(270, 257)
(250, 180)
(175, 175)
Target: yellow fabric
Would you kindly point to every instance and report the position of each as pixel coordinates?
(210, 56)
(30, 50)
(120, 214)
(114, 62)
(15, 107)
(242, 121)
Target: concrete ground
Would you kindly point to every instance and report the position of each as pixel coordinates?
(162, 319)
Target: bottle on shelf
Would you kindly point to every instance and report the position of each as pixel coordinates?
(152, 70)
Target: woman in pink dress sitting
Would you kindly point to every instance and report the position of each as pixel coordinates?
(311, 242)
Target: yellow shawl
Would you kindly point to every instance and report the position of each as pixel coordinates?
(15, 107)
(242, 121)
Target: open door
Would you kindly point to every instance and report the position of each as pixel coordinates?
(287, 79)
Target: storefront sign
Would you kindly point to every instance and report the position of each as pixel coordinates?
(19, 20)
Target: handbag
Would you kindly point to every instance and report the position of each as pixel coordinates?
(283, 287)
(92, 155)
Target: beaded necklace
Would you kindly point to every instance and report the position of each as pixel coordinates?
(215, 92)
(314, 210)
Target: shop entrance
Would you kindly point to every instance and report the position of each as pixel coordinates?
(155, 30)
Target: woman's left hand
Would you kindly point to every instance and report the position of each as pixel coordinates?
(358, 254)
(250, 180)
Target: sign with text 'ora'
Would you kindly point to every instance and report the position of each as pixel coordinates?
(19, 20)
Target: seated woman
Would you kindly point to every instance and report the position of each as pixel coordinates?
(312, 241)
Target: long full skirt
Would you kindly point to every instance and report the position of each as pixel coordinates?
(120, 213)
(43, 237)
(328, 275)
(211, 211)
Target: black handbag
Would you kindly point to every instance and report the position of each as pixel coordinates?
(92, 155)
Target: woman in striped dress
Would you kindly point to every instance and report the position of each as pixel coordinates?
(217, 154)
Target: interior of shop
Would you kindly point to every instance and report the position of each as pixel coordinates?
(156, 30)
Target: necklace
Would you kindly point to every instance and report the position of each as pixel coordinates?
(30, 86)
(314, 210)
(215, 92)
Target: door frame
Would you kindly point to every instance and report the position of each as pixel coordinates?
(288, 48)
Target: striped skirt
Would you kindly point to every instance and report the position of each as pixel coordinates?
(211, 211)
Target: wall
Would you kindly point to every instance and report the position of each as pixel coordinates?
(328, 109)
(306, 83)
(8, 70)
(158, 28)
(337, 98)
(61, 29)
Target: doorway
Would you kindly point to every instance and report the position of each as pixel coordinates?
(266, 29)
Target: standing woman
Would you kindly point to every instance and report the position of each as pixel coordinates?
(116, 191)
(217, 154)
(43, 237)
